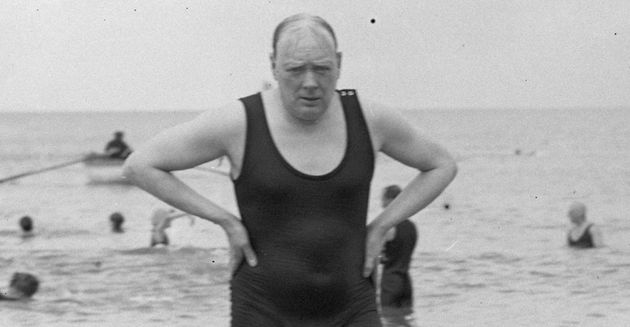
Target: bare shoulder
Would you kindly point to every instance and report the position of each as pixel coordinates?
(386, 122)
(396, 135)
(221, 128)
(379, 118)
(214, 133)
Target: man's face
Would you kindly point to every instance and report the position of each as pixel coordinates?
(306, 67)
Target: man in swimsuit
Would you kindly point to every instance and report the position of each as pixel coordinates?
(302, 157)
(582, 234)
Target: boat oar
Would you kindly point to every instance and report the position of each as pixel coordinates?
(45, 169)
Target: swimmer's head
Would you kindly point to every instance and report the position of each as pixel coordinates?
(116, 220)
(389, 194)
(26, 223)
(159, 216)
(577, 213)
(23, 285)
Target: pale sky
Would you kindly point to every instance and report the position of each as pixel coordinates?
(190, 55)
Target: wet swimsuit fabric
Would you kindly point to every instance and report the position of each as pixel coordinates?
(308, 231)
(396, 288)
(585, 240)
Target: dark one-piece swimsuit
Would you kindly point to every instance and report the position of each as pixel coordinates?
(308, 231)
(585, 240)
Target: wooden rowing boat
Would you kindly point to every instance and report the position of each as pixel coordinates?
(104, 170)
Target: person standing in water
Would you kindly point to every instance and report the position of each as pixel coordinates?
(396, 286)
(302, 157)
(582, 234)
(161, 220)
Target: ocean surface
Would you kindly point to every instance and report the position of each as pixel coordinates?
(497, 257)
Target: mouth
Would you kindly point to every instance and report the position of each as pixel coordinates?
(310, 99)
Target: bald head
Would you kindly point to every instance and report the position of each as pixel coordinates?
(303, 23)
(577, 212)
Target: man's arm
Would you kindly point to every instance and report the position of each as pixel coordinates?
(398, 138)
(211, 135)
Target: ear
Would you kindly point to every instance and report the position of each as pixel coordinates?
(338, 60)
(272, 59)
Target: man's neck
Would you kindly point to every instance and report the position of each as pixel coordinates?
(290, 118)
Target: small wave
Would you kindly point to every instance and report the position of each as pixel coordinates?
(145, 251)
(434, 268)
(545, 227)
(59, 233)
(146, 299)
(68, 301)
(497, 257)
(541, 274)
(467, 285)
(440, 295)
(5, 233)
(186, 251)
(596, 315)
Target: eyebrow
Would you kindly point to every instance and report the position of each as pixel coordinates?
(325, 62)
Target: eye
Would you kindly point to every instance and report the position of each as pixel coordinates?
(321, 69)
(298, 69)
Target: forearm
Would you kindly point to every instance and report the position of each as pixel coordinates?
(418, 194)
(168, 188)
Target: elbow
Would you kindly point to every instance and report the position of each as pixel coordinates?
(452, 167)
(449, 167)
(132, 169)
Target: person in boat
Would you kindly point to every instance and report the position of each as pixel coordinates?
(116, 220)
(22, 286)
(26, 225)
(161, 220)
(396, 286)
(117, 148)
(302, 157)
(582, 234)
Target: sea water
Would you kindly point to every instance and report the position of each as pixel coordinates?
(496, 257)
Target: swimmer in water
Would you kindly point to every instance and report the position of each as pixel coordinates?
(161, 220)
(396, 285)
(26, 225)
(582, 234)
(117, 219)
(21, 287)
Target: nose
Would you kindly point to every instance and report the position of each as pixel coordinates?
(310, 80)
